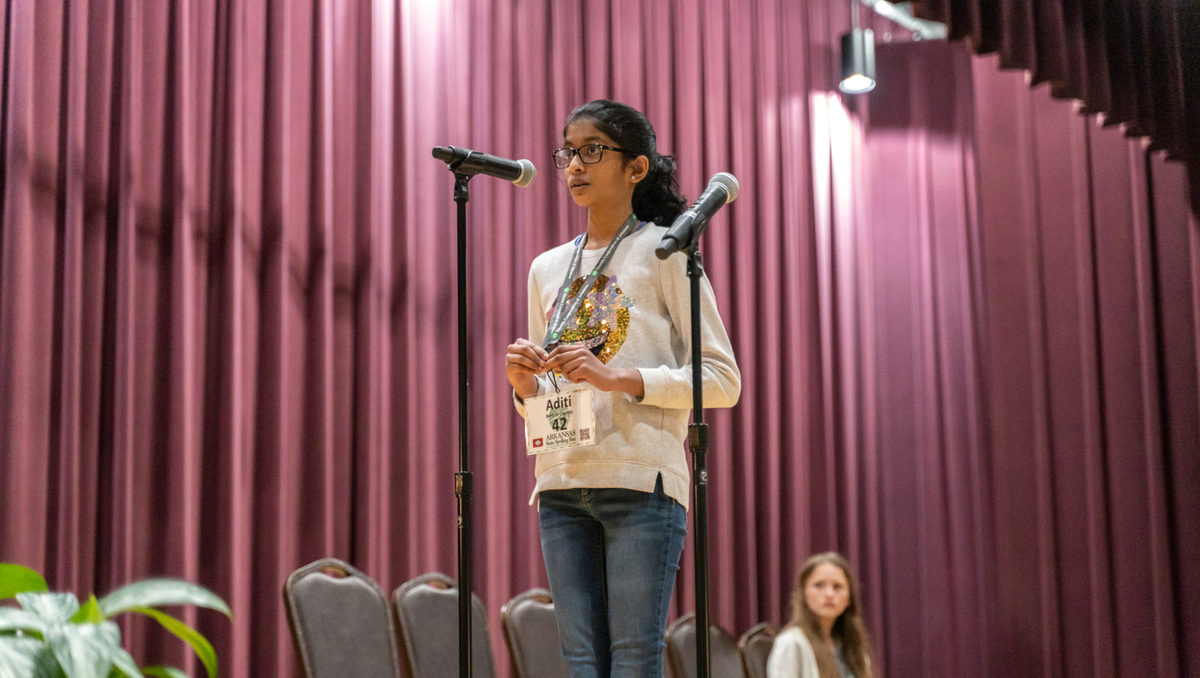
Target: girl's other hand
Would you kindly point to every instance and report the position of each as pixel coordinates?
(580, 366)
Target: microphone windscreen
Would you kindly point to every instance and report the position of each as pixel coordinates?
(528, 173)
(729, 182)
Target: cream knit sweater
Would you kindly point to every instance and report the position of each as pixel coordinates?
(642, 309)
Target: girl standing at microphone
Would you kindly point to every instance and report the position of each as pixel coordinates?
(609, 326)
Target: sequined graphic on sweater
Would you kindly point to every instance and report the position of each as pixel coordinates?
(602, 321)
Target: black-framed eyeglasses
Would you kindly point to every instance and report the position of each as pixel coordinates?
(588, 155)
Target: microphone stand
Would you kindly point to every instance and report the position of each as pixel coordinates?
(464, 164)
(698, 444)
(463, 480)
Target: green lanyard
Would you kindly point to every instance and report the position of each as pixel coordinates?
(564, 310)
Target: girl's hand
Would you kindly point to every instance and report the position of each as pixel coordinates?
(523, 362)
(580, 366)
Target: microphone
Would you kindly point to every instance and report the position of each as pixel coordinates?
(723, 188)
(466, 161)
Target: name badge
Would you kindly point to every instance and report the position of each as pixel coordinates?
(560, 421)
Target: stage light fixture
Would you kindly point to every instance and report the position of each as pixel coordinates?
(858, 61)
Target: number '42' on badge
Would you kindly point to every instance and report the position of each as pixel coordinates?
(560, 421)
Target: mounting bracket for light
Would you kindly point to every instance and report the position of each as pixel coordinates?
(902, 14)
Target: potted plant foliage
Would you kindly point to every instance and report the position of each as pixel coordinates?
(52, 635)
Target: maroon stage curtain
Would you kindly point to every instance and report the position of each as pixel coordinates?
(1137, 63)
(1089, 263)
(966, 316)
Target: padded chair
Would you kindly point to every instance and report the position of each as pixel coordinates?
(724, 659)
(427, 609)
(755, 646)
(340, 622)
(531, 633)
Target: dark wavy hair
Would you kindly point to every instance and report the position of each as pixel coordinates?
(656, 197)
(848, 630)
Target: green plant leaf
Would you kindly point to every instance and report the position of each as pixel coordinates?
(84, 650)
(24, 657)
(204, 649)
(160, 592)
(125, 664)
(12, 619)
(53, 608)
(18, 656)
(164, 672)
(16, 579)
(88, 614)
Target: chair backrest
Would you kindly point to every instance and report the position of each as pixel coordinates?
(340, 622)
(755, 646)
(531, 633)
(724, 659)
(427, 608)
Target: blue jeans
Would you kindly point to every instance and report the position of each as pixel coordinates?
(611, 557)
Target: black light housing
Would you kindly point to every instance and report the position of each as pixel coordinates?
(858, 61)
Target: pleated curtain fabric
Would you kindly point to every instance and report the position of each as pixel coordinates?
(1138, 63)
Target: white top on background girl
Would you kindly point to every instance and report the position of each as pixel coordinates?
(612, 513)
